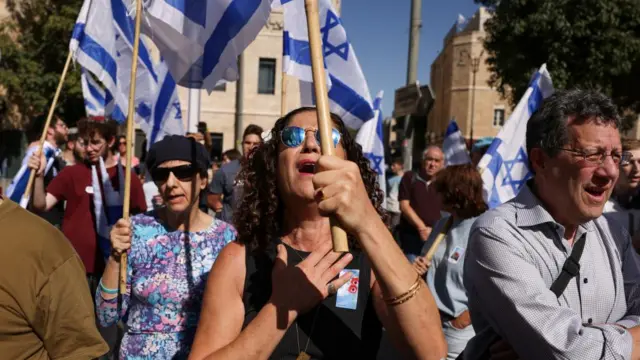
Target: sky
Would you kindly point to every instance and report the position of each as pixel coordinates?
(379, 33)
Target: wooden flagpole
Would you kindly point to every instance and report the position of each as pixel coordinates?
(438, 239)
(130, 121)
(283, 95)
(340, 243)
(47, 123)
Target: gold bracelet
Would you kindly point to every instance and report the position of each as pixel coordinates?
(412, 289)
(407, 298)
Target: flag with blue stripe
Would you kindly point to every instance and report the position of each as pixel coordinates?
(102, 43)
(371, 138)
(18, 185)
(94, 95)
(505, 165)
(166, 115)
(201, 39)
(107, 204)
(349, 95)
(454, 146)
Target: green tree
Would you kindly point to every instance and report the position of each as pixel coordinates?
(34, 40)
(592, 44)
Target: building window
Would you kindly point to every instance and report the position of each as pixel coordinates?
(498, 117)
(220, 87)
(267, 76)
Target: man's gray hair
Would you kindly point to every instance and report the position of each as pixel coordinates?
(548, 127)
(430, 147)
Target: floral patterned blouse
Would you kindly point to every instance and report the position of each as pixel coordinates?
(166, 276)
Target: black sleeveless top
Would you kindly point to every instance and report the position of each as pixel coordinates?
(338, 333)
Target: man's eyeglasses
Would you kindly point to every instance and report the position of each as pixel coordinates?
(596, 157)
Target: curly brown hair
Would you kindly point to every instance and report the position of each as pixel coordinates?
(259, 217)
(460, 187)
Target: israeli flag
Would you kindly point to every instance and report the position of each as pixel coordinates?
(505, 165)
(18, 185)
(454, 146)
(102, 43)
(349, 95)
(94, 95)
(201, 39)
(107, 204)
(371, 138)
(166, 116)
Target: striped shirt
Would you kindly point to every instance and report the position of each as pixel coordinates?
(515, 253)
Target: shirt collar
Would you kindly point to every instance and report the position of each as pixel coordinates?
(531, 211)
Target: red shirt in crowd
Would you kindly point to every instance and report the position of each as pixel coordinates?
(73, 185)
(422, 197)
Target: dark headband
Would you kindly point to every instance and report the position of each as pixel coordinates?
(176, 147)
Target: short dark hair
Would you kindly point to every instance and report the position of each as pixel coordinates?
(397, 160)
(108, 129)
(232, 154)
(630, 144)
(548, 127)
(36, 126)
(252, 129)
(460, 187)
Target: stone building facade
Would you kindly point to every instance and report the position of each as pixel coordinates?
(452, 84)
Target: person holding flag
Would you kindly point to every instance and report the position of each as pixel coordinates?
(277, 291)
(56, 137)
(93, 193)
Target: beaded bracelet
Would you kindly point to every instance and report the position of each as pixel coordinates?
(106, 290)
(407, 295)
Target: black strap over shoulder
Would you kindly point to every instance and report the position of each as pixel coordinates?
(571, 267)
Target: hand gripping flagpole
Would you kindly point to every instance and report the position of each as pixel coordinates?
(340, 243)
(47, 123)
(130, 120)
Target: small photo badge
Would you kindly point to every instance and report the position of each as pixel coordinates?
(347, 297)
(456, 255)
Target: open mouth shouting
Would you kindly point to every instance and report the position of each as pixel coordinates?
(307, 167)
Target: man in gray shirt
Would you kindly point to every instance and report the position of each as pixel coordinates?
(225, 190)
(518, 249)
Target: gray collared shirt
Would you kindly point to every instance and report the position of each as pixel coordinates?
(515, 253)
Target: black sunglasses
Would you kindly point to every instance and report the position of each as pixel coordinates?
(182, 172)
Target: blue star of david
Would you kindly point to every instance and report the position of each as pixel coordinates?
(516, 184)
(176, 105)
(341, 50)
(376, 162)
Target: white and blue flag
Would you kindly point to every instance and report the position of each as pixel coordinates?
(349, 95)
(18, 185)
(371, 138)
(201, 39)
(166, 116)
(454, 146)
(107, 203)
(94, 95)
(102, 43)
(505, 165)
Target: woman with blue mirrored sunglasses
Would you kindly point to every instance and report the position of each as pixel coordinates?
(293, 136)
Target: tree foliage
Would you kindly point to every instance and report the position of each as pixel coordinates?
(34, 40)
(592, 44)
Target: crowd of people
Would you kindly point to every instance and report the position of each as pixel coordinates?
(236, 261)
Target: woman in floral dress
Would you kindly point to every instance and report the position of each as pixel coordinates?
(171, 251)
